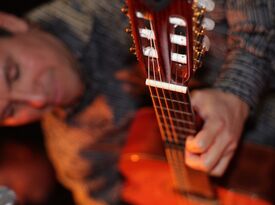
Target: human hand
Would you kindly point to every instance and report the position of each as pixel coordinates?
(224, 115)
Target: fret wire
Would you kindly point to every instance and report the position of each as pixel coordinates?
(184, 129)
(189, 108)
(158, 118)
(177, 111)
(175, 157)
(178, 166)
(179, 134)
(179, 107)
(168, 152)
(177, 169)
(166, 128)
(178, 180)
(182, 121)
(172, 100)
(174, 133)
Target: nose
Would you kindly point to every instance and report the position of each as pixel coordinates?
(33, 99)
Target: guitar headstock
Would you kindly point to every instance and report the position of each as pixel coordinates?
(169, 36)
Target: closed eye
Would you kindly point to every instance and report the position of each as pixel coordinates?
(12, 72)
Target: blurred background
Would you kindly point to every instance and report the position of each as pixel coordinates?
(24, 166)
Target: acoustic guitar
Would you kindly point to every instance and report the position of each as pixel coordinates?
(169, 44)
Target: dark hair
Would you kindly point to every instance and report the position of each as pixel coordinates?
(5, 33)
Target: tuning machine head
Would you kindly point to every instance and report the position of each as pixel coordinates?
(128, 30)
(208, 5)
(200, 24)
(133, 49)
(124, 9)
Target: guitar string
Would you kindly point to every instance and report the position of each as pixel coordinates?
(178, 166)
(172, 155)
(153, 45)
(169, 154)
(183, 108)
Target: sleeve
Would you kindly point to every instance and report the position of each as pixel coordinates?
(84, 155)
(245, 72)
(86, 161)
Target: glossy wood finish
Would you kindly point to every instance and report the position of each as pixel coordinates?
(173, 110)
(160, 24)
(148, 175)
(148, 180)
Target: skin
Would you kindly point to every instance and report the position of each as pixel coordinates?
(224, 115)
(48, 79)
(37, 73)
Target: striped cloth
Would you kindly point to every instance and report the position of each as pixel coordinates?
(86, 147)
(85, 150)
(241, 61)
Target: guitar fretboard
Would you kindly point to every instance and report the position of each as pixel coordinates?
(176, 121)
(168, 44)
(174, 113)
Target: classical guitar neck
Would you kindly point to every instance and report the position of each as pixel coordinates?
(169, 43)
(177, 121)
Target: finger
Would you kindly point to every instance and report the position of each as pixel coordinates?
(211, 158)
(205, 138)
(193, 160)
(220, 168)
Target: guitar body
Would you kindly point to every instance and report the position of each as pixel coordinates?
(148, 178)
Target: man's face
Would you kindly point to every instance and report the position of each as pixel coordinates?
(37, 73)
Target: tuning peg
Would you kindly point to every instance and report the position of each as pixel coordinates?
(128, 30)
(206, 43)
(133, 49)
(124, 9)
(209, 5)
(208, 24)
